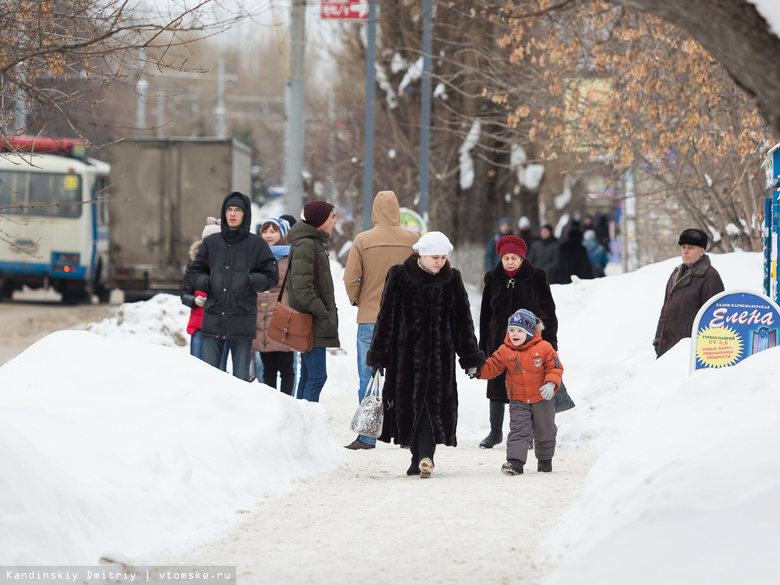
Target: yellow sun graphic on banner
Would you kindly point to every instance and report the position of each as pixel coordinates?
(718, 347)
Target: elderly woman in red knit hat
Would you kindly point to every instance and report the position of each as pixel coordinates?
(512, 285)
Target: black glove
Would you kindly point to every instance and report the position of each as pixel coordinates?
(375, 369)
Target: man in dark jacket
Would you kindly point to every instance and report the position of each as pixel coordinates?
(691, 284)
(491, 256)
(311, 291)
(544, 251)
(232, 267)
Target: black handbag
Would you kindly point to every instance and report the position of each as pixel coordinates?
(562, 399)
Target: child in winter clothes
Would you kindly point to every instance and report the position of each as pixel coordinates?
(195, 299)
(533, 375)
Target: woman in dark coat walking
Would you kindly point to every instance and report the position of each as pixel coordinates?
(512, 285)
(424, 321)
(572, 259)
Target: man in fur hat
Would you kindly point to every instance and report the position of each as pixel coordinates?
(692, 283)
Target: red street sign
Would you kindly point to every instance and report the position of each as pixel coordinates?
(344, 9)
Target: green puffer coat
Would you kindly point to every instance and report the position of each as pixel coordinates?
(319, 301)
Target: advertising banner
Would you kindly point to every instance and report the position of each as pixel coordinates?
(731, 326)
(413, 221)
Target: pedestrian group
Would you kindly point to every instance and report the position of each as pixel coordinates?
(414, 318)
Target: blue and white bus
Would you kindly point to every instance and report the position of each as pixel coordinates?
(53, 218)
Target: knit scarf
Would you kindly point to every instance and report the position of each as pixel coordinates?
(280, 252)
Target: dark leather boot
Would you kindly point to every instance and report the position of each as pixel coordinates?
(496, 424)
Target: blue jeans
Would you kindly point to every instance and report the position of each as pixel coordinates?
(258, 367)
(313, 375)
(223, 359)
(241, 349)
(196, 344)
(365, 332)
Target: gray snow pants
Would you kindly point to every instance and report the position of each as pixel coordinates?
(524, 419)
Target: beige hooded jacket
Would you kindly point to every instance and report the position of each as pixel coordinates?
(372, 254)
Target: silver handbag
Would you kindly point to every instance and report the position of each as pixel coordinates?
(368, 417)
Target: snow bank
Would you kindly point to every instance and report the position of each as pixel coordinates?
(685, 491)
(110, 445)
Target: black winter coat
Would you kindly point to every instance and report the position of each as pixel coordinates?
(423, 321)
(231, 268)
(503, 296)
(572, 259)
(543, 253)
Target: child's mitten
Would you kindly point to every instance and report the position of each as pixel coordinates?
(548, 390)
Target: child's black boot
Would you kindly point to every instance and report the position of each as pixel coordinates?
(512, 467)
(544, 465)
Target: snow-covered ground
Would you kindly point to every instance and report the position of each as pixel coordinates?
(115, 443)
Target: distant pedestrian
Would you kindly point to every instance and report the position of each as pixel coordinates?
(311, 291)
(692, 284)
(602, 232)
(491, 256)
(231, 268)
(544, 250)
(526, 232)
(289, 219)
(372, 254)
(424, 322)
(572, 259)
(533, 374)
(596, 253)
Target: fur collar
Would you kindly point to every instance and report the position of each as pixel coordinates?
(417, 274)
(698, 269)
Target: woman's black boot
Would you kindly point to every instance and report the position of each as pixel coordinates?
(496, 424)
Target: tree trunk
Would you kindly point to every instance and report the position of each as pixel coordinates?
(736, 35)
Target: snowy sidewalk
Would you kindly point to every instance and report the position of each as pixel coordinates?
(367, 522)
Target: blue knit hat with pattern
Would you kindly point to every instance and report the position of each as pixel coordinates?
(525, 320)
(282, 225)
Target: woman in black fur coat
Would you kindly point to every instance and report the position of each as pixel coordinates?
(512, 285)
(424, 320)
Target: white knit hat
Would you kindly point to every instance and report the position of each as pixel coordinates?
(433, 244)
(212, 227)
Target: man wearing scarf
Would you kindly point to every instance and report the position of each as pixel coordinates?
(692, 283)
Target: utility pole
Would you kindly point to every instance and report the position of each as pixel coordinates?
(425, 108)
(140, 113)
(221, 98)
(295, 109)
(630, 245)
(368, 133)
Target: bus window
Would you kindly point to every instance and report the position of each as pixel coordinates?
(13, 186)
(101, 194)
(55, 195)
(40, 194)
